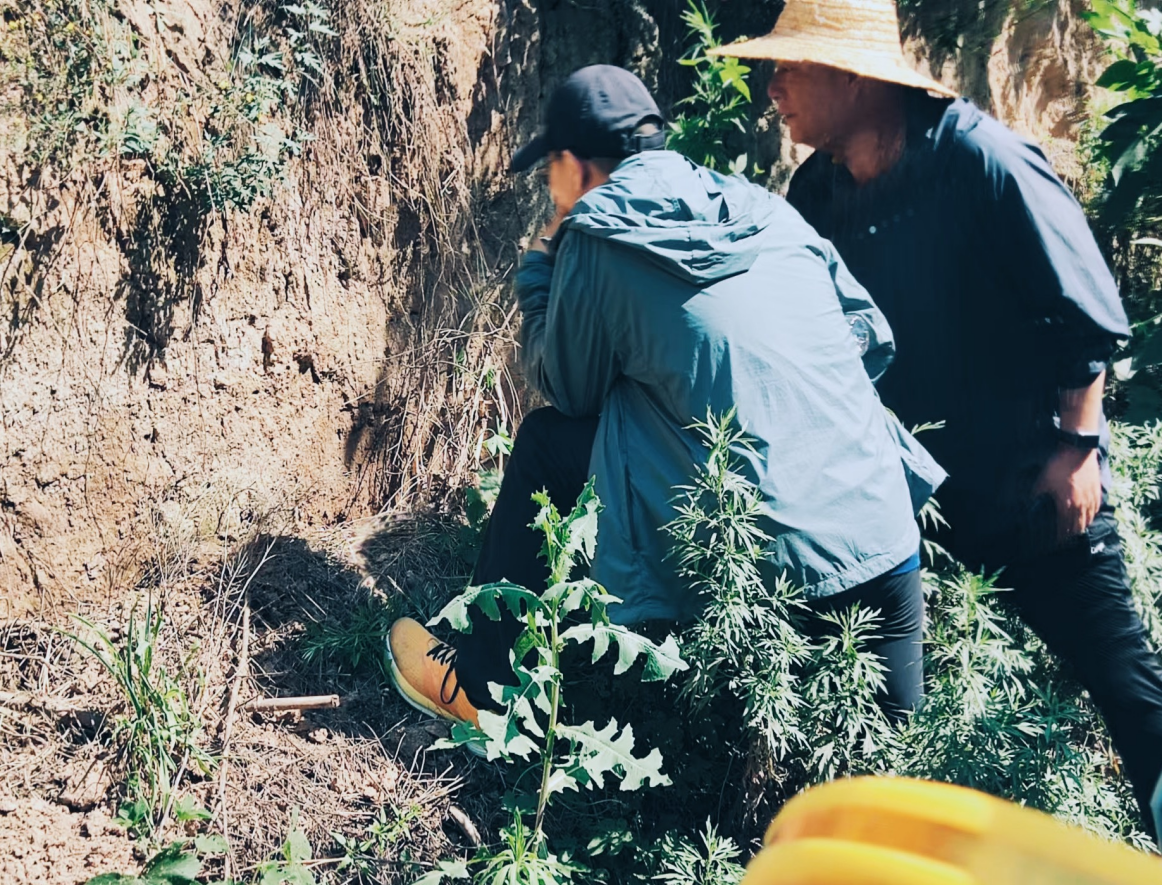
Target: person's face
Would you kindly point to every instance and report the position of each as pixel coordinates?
(566, 177)
(816, 101)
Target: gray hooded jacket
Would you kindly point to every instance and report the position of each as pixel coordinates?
(674, 290)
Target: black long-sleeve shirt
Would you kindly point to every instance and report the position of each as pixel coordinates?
(984, 264)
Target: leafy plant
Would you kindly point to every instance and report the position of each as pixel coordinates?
(1129, 143)
(1136, 464)
(83, 82)
(389, 827)
(998, 716)
(159, 736)
(291, 866)
(179, 863)
(716, 114)
(714, 862)
(352, 638)
(808, 706)
(553, 756)
(1129, 204)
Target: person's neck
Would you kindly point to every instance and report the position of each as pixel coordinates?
(876, 143)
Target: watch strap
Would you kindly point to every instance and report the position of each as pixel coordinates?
(1076, 439)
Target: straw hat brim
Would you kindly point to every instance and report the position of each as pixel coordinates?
(889, 68)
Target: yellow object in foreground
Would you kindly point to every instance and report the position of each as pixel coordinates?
(894, 831)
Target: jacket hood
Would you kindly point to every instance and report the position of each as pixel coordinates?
(694, 223)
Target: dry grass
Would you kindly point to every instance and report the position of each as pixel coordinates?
(236, 615)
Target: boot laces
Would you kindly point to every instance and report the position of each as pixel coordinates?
(442, 653)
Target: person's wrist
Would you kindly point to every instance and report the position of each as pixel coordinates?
(1073, 454)
(543, 243)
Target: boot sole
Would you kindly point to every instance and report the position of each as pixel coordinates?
(417, 701)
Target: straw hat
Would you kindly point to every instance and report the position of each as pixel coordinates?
(860, 36)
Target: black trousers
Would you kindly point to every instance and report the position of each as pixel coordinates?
(1078, 601)
(552, 453)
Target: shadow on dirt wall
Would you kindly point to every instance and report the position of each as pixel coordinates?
(163, 253)
(448, 374)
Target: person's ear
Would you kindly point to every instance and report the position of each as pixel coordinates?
(590, 176)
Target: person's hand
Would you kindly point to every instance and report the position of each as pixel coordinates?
(1073, 480)
(550, 231)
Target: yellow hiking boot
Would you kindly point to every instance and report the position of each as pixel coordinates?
(423, 671)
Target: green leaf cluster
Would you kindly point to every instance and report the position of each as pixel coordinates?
(553, 756)
(716, 114)
(1130, 140)
(998, 715)
(179, 863)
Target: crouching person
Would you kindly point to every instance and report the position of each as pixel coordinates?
(661, 291)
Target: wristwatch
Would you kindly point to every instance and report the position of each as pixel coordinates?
(1077, 439)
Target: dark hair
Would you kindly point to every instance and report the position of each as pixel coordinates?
(608, 164)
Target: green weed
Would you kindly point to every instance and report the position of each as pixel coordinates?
(390, 827)
(998, 714)
(179, 863)
(88, 90)
(809, 706)
(292, 866)
(351, 639)
(716, 114)
(159, 736)
(715, 861)
(551, 755)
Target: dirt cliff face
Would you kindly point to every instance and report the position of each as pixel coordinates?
(172, 369)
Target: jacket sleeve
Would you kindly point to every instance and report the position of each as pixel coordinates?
(868, 324)
(1049, 256)
(566, 350)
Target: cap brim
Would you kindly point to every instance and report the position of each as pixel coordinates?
(535, 150)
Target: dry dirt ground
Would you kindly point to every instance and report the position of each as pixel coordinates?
(236, 628)
(46, 842)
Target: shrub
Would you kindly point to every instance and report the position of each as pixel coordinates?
(998, 715)
(715, 116)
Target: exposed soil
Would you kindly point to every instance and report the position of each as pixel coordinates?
(48, 843)
(240, 415)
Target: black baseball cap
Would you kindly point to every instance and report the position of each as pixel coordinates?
(594, 114)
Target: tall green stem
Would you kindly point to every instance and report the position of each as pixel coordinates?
(551, 733)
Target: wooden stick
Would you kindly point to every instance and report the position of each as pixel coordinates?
(27, 700)
(310, 702)
(464, 822)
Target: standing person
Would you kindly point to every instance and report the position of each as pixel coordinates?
(662, 290)
(1005, 316)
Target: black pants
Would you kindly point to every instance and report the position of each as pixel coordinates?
(1078, 601)
(552, 453)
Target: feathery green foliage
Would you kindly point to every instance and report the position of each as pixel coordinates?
(998, 715)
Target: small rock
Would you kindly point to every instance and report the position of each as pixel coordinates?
(86, 784)
(96, 823)
(48, 473)
(8, 805)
